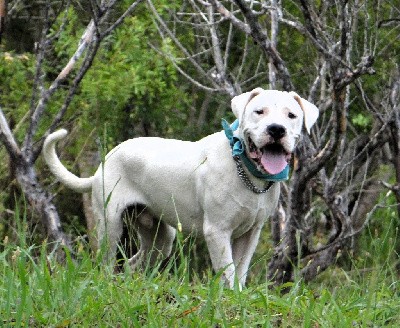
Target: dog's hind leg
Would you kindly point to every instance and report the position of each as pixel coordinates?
(156, 239)
(109, 228)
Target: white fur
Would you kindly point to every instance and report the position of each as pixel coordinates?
(192, 184)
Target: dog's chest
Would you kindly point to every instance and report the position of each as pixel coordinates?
(246, 219)
(254, 212)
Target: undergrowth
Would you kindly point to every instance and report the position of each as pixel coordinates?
(38, 291)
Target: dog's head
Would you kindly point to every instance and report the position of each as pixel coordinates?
(270, 123)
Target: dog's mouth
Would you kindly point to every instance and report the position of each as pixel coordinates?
(271, 158)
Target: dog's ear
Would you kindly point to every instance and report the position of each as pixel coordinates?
(311, 112)
(239, 102)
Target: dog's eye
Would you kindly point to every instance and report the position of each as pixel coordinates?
(259, 111)
(292, 116)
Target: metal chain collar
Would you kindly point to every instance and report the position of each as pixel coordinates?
(246, 180)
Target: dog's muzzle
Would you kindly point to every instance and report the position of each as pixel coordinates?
(272, 157)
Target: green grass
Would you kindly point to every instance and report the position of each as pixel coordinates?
(37, 291)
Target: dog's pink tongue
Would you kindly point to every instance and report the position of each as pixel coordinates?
(273, 162)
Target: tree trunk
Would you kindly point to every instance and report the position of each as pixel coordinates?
(42, 203)
(280, 268)
(39, 200)
(2, 17)
(395, 129)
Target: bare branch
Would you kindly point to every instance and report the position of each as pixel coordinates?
(121, 18)
(259, 35)
(46, 95)
(87, 63)
(364, 67)
(164, 27)
(219, 62)
(227, 14)
(8, 139)
(275, 13)
(181, 71)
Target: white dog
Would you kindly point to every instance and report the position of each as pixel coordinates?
(221, 188)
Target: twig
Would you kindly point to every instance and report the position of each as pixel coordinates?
(120, 19)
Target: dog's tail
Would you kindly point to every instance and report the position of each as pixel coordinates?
(58, 169)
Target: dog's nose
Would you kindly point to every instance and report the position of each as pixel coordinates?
(276, 131)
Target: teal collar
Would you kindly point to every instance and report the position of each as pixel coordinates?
(238, 151)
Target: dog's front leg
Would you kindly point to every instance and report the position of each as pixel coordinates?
(220, 249)
(243, 250)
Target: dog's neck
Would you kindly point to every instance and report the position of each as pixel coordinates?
(250, 181)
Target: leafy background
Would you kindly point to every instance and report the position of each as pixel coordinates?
(133, 90)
